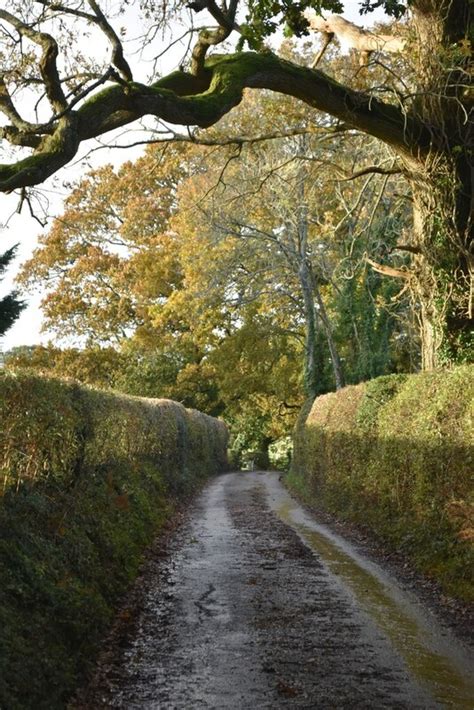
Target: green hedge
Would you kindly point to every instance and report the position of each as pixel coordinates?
(396, 454)
(87, 479)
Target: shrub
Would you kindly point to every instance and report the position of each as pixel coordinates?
(88, 478)
(396, 454)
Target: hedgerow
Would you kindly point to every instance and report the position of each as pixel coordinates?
(87, 480)
(396, 454)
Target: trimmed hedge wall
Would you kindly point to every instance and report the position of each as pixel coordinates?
(87, 479)
(396, 454)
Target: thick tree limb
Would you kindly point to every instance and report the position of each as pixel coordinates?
(47, 62)
(173, 100)
(201, 101)
(57, 151)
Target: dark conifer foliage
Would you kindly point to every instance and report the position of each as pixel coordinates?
(10, 305)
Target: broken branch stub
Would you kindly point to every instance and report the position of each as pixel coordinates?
(351, 35)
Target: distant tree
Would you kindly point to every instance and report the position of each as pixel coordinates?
(10, 305)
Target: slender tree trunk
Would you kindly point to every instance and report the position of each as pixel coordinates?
(335, 359)
(311, 374)
(311, 291)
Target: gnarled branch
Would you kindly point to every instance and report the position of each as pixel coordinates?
(47, 62)
(183, 99)
(208, 38)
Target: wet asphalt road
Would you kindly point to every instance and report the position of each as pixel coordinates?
(255, 605)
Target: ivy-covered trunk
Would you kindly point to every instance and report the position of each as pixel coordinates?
(443, 274)
(443, 267)
(315, 317)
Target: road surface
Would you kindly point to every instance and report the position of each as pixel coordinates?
(256, 605)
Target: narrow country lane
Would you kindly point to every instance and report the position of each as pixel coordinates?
(255, 605)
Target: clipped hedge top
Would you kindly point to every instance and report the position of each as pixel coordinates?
(47, 425)
(396, 454)
(426, 405)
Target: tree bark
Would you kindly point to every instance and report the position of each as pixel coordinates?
(442, 186)
(202, 100)
(311, 375)
(443, 271)
(335, 359)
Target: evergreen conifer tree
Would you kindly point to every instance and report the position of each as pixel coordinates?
(10, 305)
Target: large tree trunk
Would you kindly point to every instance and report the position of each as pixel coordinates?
(443, 270)
(442, 187)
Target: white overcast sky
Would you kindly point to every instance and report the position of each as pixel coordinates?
(24, 230)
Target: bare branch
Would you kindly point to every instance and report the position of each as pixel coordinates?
(373, 170)
(327, 39)
(406, 247)
(388, 270)
(58, 7)
(208, 38)
(98, 19)
(109, 74)
(118, 59)
(169, 136)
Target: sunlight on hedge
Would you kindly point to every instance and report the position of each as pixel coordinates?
(88, 478)
(396, 454)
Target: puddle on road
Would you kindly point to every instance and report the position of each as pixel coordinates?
(429, 657)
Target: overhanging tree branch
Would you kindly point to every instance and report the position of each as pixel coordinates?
(183, 99)
(47, 62)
